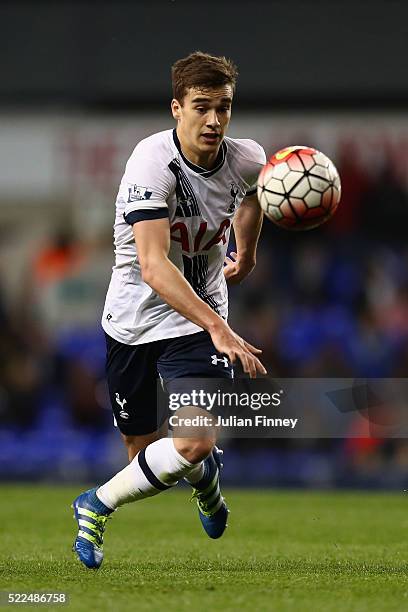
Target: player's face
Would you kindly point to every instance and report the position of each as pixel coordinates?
(202, 120)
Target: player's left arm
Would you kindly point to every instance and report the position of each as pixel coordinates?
(247, 227)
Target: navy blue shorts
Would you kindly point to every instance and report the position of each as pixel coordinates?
(133, 373)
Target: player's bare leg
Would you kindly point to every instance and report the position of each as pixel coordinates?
(134, 444)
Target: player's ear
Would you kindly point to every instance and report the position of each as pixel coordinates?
(175, 109)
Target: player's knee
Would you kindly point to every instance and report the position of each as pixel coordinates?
(135, 444)
(195, 449)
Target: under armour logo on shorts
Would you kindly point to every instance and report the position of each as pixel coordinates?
(215, 360)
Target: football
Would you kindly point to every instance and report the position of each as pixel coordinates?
(299, 188)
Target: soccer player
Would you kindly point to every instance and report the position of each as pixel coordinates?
(166, 306)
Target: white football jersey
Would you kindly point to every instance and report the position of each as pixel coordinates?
(159, 182)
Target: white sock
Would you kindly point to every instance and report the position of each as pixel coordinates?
(154, 469)
(195, 474)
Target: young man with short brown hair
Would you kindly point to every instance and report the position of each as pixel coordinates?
(167, 303)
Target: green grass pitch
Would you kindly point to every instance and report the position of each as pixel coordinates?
(303, 551)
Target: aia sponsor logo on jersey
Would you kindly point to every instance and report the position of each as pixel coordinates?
(199, 241)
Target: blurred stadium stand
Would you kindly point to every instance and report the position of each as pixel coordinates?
(77, 93)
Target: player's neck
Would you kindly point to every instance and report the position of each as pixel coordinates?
(198, 158)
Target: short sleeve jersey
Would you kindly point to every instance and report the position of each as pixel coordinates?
(160, 182)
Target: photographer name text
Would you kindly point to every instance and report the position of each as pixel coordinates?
(232, 421)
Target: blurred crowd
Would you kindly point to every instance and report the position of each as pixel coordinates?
(331, 302)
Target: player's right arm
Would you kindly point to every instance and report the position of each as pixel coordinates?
(152, 239)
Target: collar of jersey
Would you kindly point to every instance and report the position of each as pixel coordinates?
(219, 162)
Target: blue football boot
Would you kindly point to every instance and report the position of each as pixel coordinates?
(91, 515)
(212, 509)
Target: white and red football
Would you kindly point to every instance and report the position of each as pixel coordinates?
(299, 188)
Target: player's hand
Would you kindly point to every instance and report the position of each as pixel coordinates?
(236, 269)
(229, 343)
